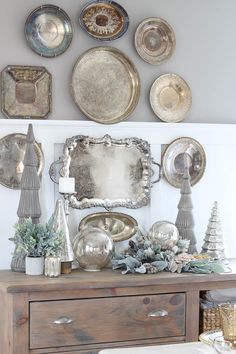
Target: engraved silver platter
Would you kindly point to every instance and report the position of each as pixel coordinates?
(154, 40)
(108, 172)
(48, 31)
(104, 20)
(12, 152)
(105, 85)
(26, 91)
(170, 98)
(173, 161)
(120, 226)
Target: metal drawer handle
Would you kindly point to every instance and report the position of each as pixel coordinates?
(158, 313)
(63, 320)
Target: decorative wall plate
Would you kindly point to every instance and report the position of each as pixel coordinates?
(154, 40)
(48, 31)
(173, 161)
(170, 98)
(104, 20)
(120, 226)
(105, 85)
(12, 152)
(26, 91)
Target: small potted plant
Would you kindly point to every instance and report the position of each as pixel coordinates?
(36, 241)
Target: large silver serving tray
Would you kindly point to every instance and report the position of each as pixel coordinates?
(120, 226)
(26, 91)
(154, 40)
(105, 85)
(48, 31)
(12, 152)
(108, 172)
(174, 159)
(104, 20)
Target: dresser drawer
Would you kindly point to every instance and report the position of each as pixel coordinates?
(101, 320)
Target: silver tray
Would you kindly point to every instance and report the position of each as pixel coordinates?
(48, 31)
(209, 336)
(104, 20)
(173, 161)
(120, 226)
(154, 40)
(108, 172)
(26, 91)
(105, 85)
(12, 152)
(170, 98)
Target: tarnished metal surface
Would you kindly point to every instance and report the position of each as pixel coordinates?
(12, 152)
(170, 98)
(120, 226)
(48, 30)
(173, 161)
(105, 85)
(154, 40)
(26, 91)
(104, 20)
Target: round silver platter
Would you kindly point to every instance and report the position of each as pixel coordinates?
(154, 40)
(173, 161)
(120, 226)
(48, 31)
(105, 85)
(170, 98)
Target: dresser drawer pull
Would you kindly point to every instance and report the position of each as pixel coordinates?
(158, 313)
(63, 320)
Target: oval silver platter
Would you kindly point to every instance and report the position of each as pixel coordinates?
(173, 161)
(170, 98)
(48, 31)
(104, 20)
(154, 40)
(105, 85)
(12, 152)
(120, 226)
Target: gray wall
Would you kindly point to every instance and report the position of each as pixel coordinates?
(205, 54)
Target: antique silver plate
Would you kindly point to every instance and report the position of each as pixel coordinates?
(108, 172)
(105, 85)
(170, 98)
(12, 152)
(208, 337)
(26, 91)
(48, 31)
(173, 161)
(120, 226)
(104, 20)
(154, 40)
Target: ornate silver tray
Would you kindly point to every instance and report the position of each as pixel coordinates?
(173, 161)
(120, 226)
(170, 98)
(26, 91)
(12, 152)
(48, 31)
(209, 336)
(104, 20)
(108, 172)
(105, 85)
(154, 40)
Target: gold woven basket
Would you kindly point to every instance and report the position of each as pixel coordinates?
(209, 319)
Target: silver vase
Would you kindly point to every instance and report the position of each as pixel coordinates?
(52, 267)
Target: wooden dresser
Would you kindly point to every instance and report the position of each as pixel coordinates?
(85, 312)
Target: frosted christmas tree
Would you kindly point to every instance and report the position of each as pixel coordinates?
(213, 241)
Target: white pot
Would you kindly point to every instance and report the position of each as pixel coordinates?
(34, 265)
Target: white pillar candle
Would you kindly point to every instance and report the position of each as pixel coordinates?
(67, 185)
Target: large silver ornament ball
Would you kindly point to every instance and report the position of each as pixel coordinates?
(165, 233)
(93, 248)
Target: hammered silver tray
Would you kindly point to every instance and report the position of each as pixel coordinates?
(12, 152)
(105, 85)
(173, 161)
(108, 172)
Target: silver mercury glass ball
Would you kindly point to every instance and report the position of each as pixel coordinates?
(93, 248)
(165, 233)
